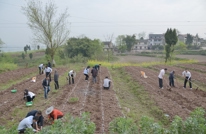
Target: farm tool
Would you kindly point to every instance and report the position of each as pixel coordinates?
(194, 84)
(168, 86)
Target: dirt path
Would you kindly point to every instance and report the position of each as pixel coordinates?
(176, 102)
(101, 104)
(6, 77)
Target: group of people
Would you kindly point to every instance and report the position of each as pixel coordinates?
(186, 74)
(35, 120)
(94, 72)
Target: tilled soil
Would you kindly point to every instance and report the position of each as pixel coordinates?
(16, 74)
(173, 102)
(101, 104)
(198, 78)
(10, 101)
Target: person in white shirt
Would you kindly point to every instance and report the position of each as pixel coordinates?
(187, 76)
(107, 83)
(28, 95)
(27, 123)
(41, 66)
(48, 71)
(71, 76)
(160, 76)
(86, 73)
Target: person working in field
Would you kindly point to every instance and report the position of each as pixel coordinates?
(27, 123)
(48, 71)
(143, 74)
(94, 74)
(107, 83)
(71, 75)
(46, 86)
(171, 79)
(49, 64)
(28, 95)
(160, 76)
(40, 121)
(187, 76)
(54, 114)
(97, 67)
(56, 79)
(41, 66)
(86, 73)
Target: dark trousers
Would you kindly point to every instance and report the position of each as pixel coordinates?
(58, 117)
(56, 84)
(107, 87)
(21, 131)
(30, 99)
(160, 83)
(171, 82)
(185, 82)
(71, 78)
(87, 76)
(40, 71)
(48, 74)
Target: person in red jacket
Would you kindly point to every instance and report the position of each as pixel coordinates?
(54, 113)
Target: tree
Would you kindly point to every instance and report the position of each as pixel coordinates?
(171, 40)
(189, 39)
(48, 28)
(130, 41)
(142, 35)
(38, 47)
(1, 43)
(30, 55)
(120, 43)
(23, 56)
(25, 49)
(83, 46)
(181, 46)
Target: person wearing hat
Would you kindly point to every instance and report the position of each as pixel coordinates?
(27, 123)
(28, 95)
(40, 121)
(71, 76)
(54, 113)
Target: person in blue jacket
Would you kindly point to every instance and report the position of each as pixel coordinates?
(171, 79)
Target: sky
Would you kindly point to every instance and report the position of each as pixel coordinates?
(100, 19)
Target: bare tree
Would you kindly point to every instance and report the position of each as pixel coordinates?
(48, 28)
(1, 44)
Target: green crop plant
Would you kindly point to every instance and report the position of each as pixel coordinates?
(123, 125)
(73, 100)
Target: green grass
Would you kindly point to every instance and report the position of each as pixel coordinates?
(133, 96)
(7, 67)
(73, 100)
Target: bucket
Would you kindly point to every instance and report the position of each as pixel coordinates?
(14, 91)
(28, 104)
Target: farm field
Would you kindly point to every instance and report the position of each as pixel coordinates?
(178, 101)
(129, 96)
(101, 104)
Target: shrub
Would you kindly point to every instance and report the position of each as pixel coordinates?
(30, 55)
(122, 125)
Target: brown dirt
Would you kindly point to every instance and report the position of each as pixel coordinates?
(198, 78)
(101, 104)
(10, 101)
(175, 102)
(16, 74)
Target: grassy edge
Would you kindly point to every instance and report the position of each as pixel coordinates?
(134, 100)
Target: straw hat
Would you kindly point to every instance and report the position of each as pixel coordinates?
(49, 110)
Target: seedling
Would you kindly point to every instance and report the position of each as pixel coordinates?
(73, 100)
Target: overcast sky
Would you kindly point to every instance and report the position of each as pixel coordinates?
(101, 18)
